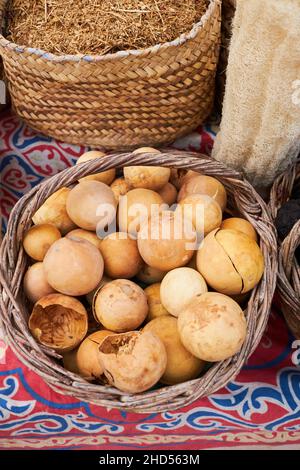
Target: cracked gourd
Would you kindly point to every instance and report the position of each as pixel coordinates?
(241, 225)
(230, 261)
(59, 322)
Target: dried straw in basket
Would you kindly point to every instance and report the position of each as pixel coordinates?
(14, 316)
(288, 269)
(101, 26)
(119, 101)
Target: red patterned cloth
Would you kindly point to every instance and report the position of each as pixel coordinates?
(260, 408)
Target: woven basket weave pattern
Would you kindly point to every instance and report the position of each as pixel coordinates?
(14, 311)
(121, 100)
(288, 269)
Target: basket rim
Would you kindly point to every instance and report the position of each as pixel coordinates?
(282, 187)
(288, 279)
(288, 276)
(287, 250)
(95, 58)
(13, 265)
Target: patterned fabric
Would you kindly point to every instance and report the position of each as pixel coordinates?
(260, 408)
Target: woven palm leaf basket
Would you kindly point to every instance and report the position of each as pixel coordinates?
(14, 314)
(120, 100)
(288, 269)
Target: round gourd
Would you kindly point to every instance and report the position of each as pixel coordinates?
(212, 327)
(88, 361)
(106, 177)
(91, 295)
(136, 207)
(179, 287)
(166, 242)
(73, 267)
(206, 185)
(38, 239)
(147, 177)
(203, 211)
(119, 187)
(181, 364)
(156, 308)
(35, 283)
(121, 306)
(168, 194)
(82, 234)
(92, 205)
(121, 256)
(54, 212)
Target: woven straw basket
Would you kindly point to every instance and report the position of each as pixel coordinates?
(288, 269)
(121, 100)
(14, 311)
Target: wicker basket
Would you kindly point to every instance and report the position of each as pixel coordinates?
(228, 11)
(14, 315)
(121, 100)
(289, 269)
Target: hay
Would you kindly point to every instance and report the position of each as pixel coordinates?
(99, 26)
